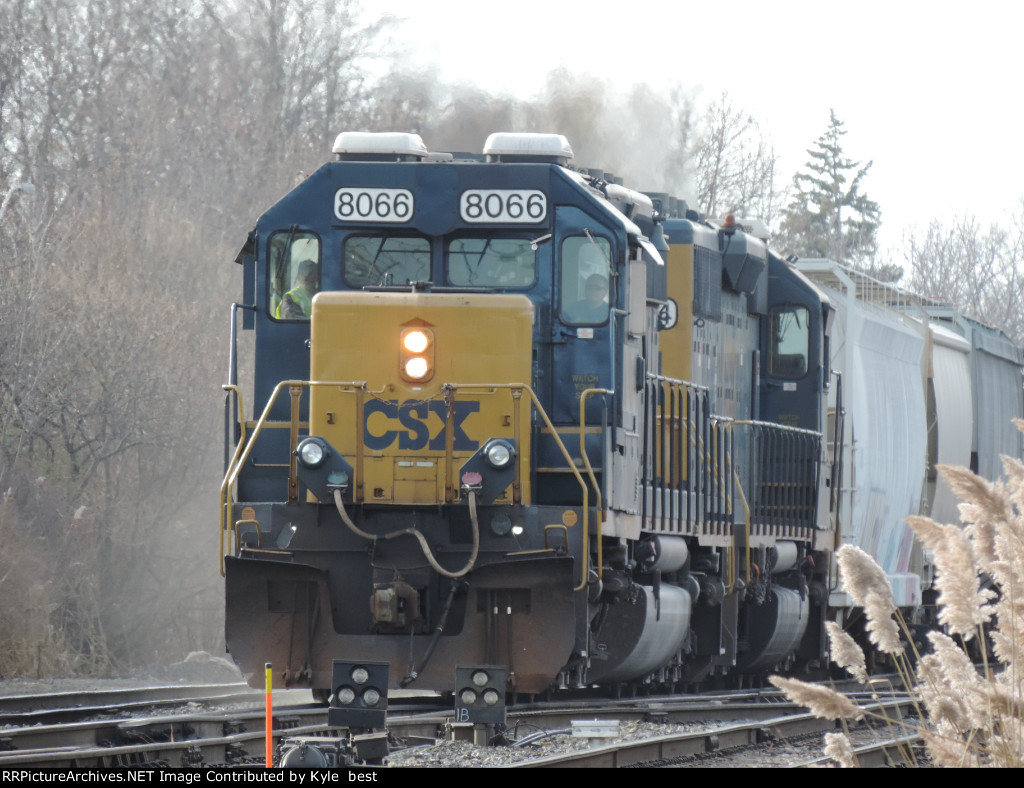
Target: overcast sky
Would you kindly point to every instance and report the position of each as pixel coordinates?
(931, 92)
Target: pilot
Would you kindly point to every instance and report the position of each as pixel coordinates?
(297, 303)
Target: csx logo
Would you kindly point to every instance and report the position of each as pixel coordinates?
(411, 424)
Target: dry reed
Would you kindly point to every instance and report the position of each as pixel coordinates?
(971, 716)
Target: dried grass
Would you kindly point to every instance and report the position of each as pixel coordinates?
(972, 716)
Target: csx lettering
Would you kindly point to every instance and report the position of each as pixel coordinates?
(413, 416)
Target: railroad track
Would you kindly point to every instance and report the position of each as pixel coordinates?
(783, 741)
(207, 733)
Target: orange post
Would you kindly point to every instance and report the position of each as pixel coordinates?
(269, 724)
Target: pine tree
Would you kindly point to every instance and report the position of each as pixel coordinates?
(829, 216)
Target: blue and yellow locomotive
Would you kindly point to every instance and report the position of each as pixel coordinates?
(508, 412)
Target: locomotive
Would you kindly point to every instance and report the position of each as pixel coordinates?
(509, 412)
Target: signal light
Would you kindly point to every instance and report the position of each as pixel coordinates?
(360, 694)
(416, 362)
(345, 696)
(480, 694)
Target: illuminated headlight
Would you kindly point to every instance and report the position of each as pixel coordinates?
(417, 368)
(468, 697)
(312, 452)
(371, 697)
(416, 356)
(345, 696)
(480, 678)
(415, 341)
(360, 675)
(499, 453)
(491, 697)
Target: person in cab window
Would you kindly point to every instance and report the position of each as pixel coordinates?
(297, 303)
(593, 308)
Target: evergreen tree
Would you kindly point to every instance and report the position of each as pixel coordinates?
(829, 216)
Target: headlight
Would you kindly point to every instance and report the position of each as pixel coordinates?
(312, 452)
(415, 341)
(499, 453)
(416, 354)
(417, 368)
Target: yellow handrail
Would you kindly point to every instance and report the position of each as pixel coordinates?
(593, 480)
(568, 459)
(244, 447)
(241, 455)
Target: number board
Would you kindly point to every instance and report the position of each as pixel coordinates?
(503, 206)
(373, 205)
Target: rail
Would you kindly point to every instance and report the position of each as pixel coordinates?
(785, 477)
(693, 476)
(245, 446)
(785, 473)
(680, 451)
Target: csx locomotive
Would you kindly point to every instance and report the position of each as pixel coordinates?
(509, 412)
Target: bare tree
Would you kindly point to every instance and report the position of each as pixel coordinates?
(736, 165)
(154, 131)
(979, 270)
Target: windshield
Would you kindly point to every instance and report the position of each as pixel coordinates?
(380, 260)
(491, 262)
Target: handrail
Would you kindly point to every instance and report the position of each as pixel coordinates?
(234, 459)
(746, 524)
(231, 388)
(780, 427)
(593, 479)
(238, 534)
(838, 439)
(579, 478)
(694, 457)
(241, 456)
(792, 443)
(244, 448)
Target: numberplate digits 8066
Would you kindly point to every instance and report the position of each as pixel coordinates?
(373, 205)
(503, 206)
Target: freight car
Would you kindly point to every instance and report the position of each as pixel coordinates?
(509, 412)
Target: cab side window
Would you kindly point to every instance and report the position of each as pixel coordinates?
(294, 275)
(789, 337)
(584, 281)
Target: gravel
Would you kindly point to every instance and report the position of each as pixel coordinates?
(464, 754)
